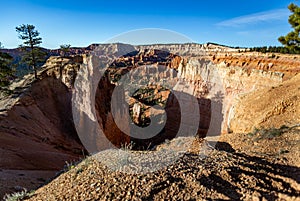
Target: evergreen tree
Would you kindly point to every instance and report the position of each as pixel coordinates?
(33, 54)
(6, 72)
(292, 39)
(65, 49)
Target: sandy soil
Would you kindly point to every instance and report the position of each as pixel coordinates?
(238, 167)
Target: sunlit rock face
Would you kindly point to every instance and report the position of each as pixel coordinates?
(215, 87)
(231, 82)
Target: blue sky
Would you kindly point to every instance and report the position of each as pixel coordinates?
(80, 23)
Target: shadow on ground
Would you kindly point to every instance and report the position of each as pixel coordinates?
(244, 174)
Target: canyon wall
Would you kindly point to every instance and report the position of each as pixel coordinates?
(36, 126)
(270, 107)
(231, 82)
(214, 85)
(40, 132)
(189, 49)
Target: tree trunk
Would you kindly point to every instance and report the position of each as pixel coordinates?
(35, 73)
(32, 54)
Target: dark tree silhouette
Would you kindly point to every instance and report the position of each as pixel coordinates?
(292, 39)
(33, 54)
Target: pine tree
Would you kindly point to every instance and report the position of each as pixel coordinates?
(65, 49)
(292, 39)
(33, 54)
(6, 72)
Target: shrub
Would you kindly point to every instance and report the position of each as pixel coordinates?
(270, 133)
(17, 196)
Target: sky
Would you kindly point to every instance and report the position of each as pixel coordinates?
(243, 23)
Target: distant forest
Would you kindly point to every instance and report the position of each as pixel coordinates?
(275, 49)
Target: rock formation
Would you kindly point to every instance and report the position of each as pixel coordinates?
(270, 107)
(38, 131)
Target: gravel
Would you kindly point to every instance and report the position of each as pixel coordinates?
(201, 173)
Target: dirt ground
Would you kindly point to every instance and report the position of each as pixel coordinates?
(254, 166)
